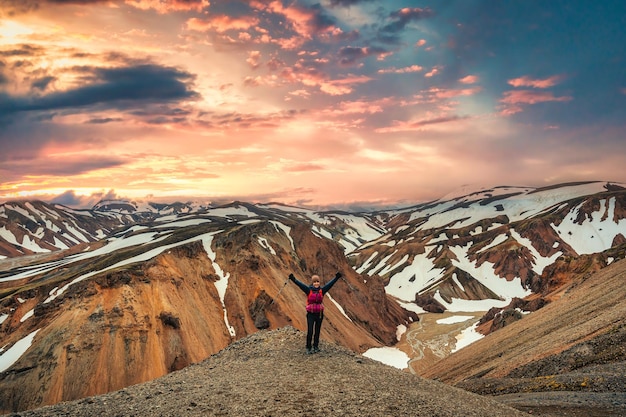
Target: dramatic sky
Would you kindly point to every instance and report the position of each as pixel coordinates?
(327, 102)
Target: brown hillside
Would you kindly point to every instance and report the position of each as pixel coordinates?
(137, 323)
(568, 356)
(589, 307)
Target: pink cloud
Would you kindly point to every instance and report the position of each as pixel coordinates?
(420, 43)
(334, 89)
(221, 23)
(511, 110)
(531, 97)
(254, 59)
(303, 21)
(311, 76)
(515, 100)
(342, 86)
(432, 72)
(394, 70)
(170, 5)
(444, 94)
(526, 81)
(404, 126)
(298, 93)
(253, 81)
(469, 79)
(244, 37)
(360, 107)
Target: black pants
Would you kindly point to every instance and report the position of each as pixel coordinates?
(314, 325)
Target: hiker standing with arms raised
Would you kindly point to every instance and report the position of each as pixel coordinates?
(314, 308)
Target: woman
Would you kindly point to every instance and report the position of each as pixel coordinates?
(314, 308)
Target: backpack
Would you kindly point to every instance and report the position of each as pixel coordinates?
(314, 301)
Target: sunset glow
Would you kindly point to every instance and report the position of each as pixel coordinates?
(340, 103)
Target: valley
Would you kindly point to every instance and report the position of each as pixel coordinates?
(434, 337)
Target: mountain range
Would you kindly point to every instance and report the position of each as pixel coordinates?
(96, 300)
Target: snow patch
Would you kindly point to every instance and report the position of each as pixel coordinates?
(389, 356)
(467, 337)
(367, 263)
(28, 315)
(221, 284)
(454, 319)
(413, 278)
(485, 274)
(400, 330)
(287, 230)
(338, 306)
(593, 235)
(460, 305)
(15, 352)
(263, 242)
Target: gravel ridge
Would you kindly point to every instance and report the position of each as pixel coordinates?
(269, 374)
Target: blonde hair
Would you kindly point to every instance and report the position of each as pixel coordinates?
(315, 278)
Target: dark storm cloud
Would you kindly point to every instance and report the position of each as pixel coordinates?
(42, 83)
(104, 120)
(399, 19)
(57, 167)
(27, 122)
(321, 20)
(14, 7)
(23, 50)
(70, 199)
(110, 88)
(349, 55)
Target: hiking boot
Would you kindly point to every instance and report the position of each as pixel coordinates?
(316, 349)
(309, 351)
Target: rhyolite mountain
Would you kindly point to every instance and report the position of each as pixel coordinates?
(95, 300)
(163, 293)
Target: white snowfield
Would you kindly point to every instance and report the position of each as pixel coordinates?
(595, 234)
(359, 228)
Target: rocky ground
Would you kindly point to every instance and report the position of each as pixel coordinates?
(269, 374)
(594, 391)
(586, 380)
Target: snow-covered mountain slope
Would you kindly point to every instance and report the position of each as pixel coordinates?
(483, 249)
(350, 230)
(30, 227)
(149, 209)
(35, 227)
